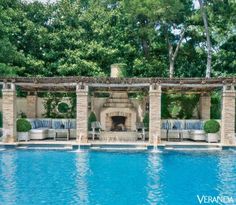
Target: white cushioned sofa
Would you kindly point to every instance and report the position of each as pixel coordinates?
(183, 129)
(45, 128)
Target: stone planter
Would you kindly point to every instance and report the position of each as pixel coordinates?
(212, 137)
(23, 136)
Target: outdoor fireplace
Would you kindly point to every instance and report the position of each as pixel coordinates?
(118, 112)
(118, 119)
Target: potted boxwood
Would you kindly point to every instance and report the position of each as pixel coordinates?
(23, 127)
(212, 127)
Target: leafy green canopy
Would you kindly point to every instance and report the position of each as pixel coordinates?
(85, 37)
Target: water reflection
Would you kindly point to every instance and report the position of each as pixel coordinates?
(227, 176)
(154, 188)
(7, 177)
(82, 169)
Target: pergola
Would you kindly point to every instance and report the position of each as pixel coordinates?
(155, 86)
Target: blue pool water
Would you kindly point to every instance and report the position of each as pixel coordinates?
(114, 178)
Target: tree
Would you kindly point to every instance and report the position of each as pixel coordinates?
(221, 17)
(167, 19)
(173, 53)
(208, 40)
(84, 37)
(10, 58)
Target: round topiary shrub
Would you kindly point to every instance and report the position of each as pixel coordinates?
(211, 126)
(22, 125)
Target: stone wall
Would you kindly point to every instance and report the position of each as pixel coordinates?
(31, 111)
(96, 106)
(205, 107)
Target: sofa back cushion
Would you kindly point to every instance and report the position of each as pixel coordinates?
(182, 124)
(52, 123)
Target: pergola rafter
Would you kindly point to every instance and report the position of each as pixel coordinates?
(68, 84)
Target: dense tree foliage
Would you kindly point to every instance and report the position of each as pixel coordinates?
(84, 37)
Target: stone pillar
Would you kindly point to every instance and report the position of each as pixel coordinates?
(228, 116)
(205, 106)
(9, 113)
(154, 113)
(32, 100)
(82, 113)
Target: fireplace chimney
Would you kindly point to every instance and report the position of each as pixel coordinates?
(118, 70)
(115, 71)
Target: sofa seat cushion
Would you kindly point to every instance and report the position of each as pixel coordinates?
(174, 134)
(72, 133)
(39, 130)
(39, 133)
(198, 135)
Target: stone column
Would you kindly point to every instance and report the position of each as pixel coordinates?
(154, 113)
(205, 106)
(32, 100)
(228, 116)
(82, 112)
(9, 113)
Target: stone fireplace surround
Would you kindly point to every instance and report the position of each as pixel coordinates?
(118, 105)
(107, 114)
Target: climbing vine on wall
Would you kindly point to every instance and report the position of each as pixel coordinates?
(52, 102)
(179, 106)
(216, 105)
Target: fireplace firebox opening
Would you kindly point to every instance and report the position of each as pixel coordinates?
(118, 123)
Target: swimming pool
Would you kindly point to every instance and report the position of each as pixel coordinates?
(65, 177)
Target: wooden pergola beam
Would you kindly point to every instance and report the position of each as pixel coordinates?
(69, 83)
(109, 80)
